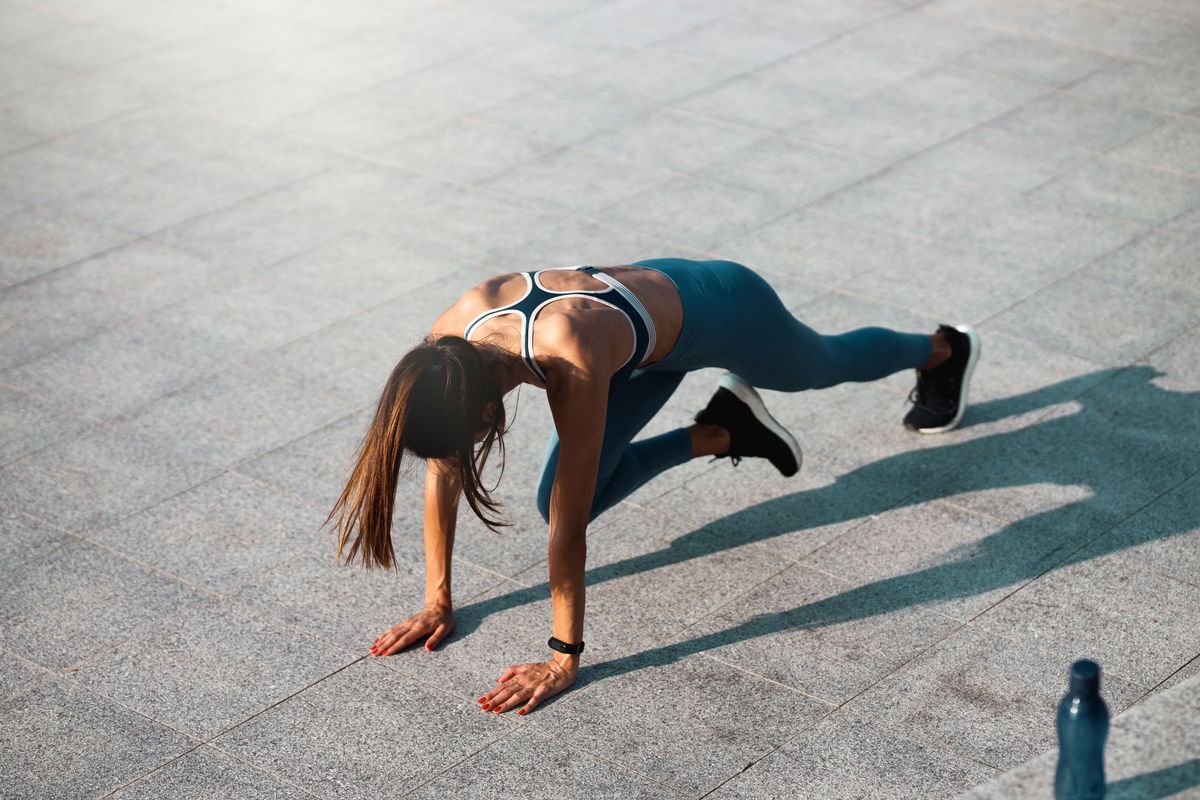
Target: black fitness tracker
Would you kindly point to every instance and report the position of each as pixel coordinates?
(563, 647)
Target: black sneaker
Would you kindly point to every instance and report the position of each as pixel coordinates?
(940, 396)
(753, 432)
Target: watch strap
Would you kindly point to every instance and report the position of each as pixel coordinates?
(563, 647)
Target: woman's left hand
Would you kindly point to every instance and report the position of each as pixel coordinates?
(529, 684)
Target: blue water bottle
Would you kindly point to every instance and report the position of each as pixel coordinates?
(1082, 729)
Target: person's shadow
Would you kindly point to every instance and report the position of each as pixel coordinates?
(1130, 443)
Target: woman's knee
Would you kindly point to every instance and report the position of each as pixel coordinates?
(544, 489)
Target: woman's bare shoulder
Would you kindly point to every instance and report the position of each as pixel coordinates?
(476, 299)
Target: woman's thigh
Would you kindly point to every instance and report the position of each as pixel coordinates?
(759, 338)
(735, 320)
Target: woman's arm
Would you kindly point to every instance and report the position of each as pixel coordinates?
(442, 492)
(579, 405)
(436, 617)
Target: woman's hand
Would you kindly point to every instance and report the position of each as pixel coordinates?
(434, 620)
(529, 684)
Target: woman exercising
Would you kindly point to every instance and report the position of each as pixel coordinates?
(609, 346)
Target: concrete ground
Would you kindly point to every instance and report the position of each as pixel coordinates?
(222, 223)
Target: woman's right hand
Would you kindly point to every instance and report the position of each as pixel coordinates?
(434, 621)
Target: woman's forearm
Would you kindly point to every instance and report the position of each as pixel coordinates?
(441, 516)
(567, 559)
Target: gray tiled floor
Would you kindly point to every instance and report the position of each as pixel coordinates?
(221, 224)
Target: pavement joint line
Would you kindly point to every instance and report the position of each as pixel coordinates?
(1190, 21)
(75, 537)
(831, 704)
(931, 744)
(1138, 566)
(113, 790)
(258, 768)
(771, 752)
(263, 271)
(228, 729)
(1185, 332)
(67, 677)
(458, 763)
(1158, 686)
(847, 702)
(957, 18)
(1156, 348)
(499, 195)
(534, 730)
(1137, 237)
(975, 621)
(1031, 645)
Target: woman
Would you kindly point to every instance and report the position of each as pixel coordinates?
(609, 346)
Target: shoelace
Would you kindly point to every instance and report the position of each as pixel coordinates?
(735, 459)
(928, 392)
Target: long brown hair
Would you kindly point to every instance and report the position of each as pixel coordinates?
(432, 406)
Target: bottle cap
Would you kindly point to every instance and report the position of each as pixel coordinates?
(1085, 677)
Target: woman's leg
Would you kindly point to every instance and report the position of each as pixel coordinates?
(771, 349)
(625, 465)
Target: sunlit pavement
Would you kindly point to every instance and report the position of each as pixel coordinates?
(222, 223)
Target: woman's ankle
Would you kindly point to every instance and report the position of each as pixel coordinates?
(939, 353)
(708, 440)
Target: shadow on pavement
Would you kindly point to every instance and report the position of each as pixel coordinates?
(1160, 783)
(1129, 443)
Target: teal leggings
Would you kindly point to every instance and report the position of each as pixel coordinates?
(734, 320)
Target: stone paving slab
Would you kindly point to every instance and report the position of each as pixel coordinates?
(208, 666)
(77, 599)
(845, 756)
(226, 418)
(47, 752)
(259, 527)
(95, 479)
(361, 727)
(815, 633)
(206, 772)
(349, 606)
(945, 695)
(29, 424)
(47, 313)
(221, 224)
(679, 715)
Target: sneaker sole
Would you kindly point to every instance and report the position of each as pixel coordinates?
(746, 393)
(976, 347)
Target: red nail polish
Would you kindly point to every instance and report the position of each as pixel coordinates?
(485, 706)
(521, 712)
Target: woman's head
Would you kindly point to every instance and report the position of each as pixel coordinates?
(442, 399)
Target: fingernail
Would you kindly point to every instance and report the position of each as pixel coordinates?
(482, 699)
(521, 712)
(485, 706)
